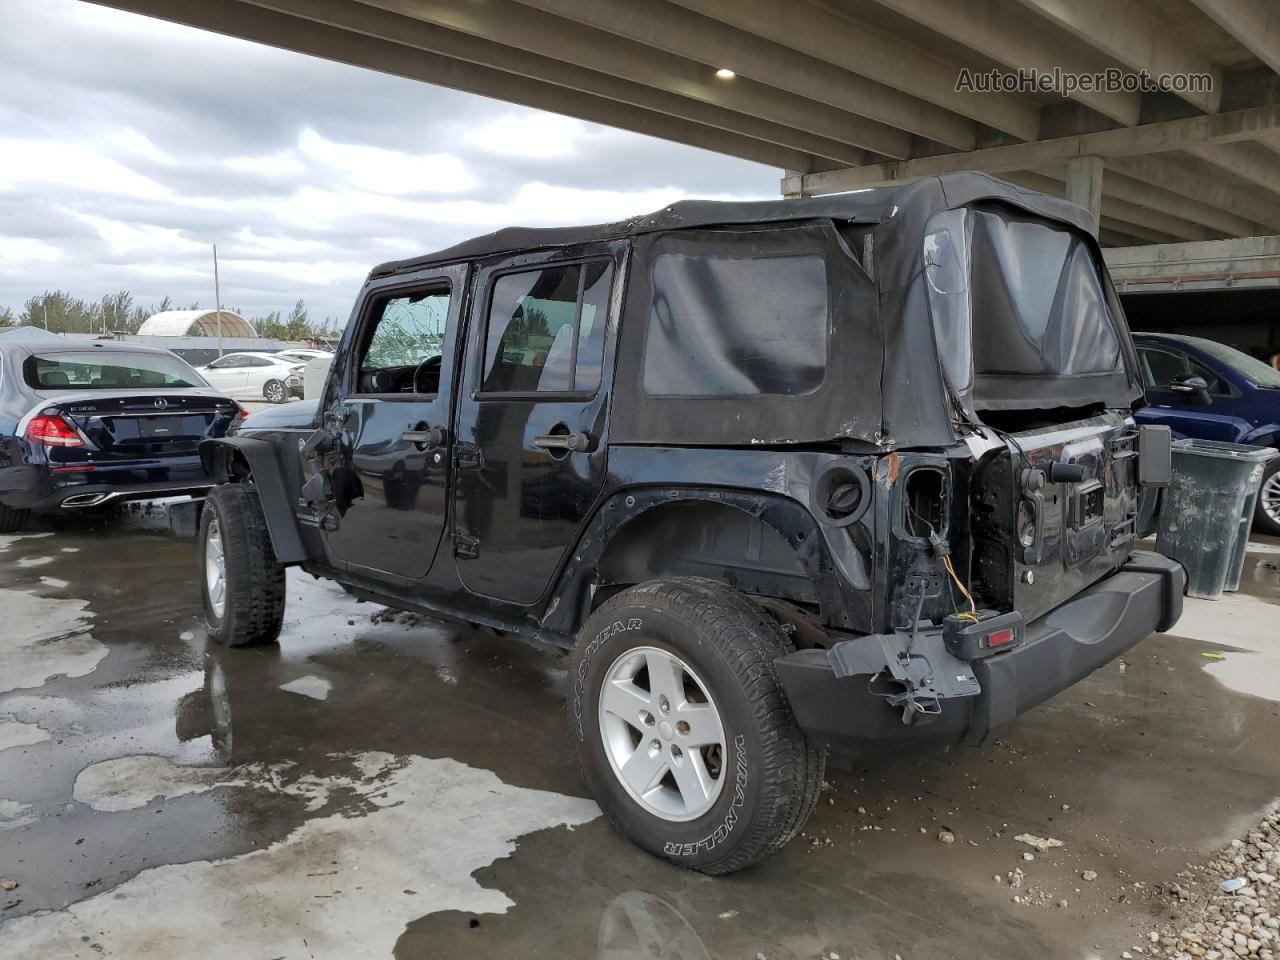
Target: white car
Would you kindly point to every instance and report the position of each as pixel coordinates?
(256, 375)
(305, 354)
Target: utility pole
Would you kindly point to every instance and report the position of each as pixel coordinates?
(45, 303)
(217, 297)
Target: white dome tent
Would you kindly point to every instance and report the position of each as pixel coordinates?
(196, 323)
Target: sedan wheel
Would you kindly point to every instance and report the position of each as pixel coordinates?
(1267, 515)
(274, 391)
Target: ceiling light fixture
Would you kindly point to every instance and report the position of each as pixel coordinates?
(724, 73)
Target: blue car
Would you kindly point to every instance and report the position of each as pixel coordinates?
(86, 424)
(1210, 391)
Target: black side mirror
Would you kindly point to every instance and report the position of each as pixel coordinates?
(1192, 386)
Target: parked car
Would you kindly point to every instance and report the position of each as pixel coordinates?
(1209, 391)
(254, 376)
(85, 425)
(304, 355)
(832, 473)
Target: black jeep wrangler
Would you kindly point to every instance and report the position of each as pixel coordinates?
(785, 477)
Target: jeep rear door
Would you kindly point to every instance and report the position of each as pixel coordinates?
(532, 416)
(388, 415)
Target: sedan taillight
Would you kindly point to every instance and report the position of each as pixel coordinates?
(53, 431)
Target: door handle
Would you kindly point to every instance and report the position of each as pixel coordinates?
(571, 442)
(424, 437)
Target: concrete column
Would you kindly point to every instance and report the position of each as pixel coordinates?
(1084, 185)
(793, 176)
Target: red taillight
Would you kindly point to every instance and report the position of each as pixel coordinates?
(999, 638)
(241, 412)
(53, 431)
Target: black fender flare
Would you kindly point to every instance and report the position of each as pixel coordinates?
(259, 456)
(792, 521)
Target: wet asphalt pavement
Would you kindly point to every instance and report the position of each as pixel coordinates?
(375, 788)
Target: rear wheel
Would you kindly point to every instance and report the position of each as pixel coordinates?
(11, 519)
(242, 584)
(682, 729)
(1267, 513)
(275, 392)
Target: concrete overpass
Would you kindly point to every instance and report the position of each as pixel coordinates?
(843, 94)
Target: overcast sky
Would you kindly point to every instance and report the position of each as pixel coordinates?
(128, 146)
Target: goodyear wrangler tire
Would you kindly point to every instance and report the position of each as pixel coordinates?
(241, 582)
(682, 730)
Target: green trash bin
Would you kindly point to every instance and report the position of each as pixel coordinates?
(1207, 512)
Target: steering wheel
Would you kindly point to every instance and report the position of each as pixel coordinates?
(425, 367)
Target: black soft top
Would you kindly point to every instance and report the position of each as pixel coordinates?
(873, 205)
(885, 383)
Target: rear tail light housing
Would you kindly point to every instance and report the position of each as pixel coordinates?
(53, 430)
(981, 634)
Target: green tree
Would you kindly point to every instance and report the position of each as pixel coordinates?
(7, 317)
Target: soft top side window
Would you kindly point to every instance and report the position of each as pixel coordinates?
(546, 329)
(403, 342)
(737, 324)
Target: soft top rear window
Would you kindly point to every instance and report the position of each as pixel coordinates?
(99, 370)
(1019, 310)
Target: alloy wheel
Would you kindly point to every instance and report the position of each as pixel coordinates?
(662, 733)
(1270, 495)
(215, 568)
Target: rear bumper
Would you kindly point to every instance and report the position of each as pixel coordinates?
(37, 487)
(1062, 647)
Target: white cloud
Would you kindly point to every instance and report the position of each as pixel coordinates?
(138, 237)
(528, 135)
(21, 249)
(380, 170)
(32, 163)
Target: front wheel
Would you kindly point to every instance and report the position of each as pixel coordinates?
(682, 729)
(242, 584)
(275, 392)
(1267, 512)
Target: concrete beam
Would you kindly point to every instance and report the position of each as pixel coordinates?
(1248, 161)
(1084, 184)
(1255, 23)
(1131, 34)
(358, 21)
(1202, 187)
(1152, 195)
(1123, 216)
(665, 26)
(1133, 141)
(858, 48)
(1238, 262)
(524, 29)
(1016, 39)
(236, 19)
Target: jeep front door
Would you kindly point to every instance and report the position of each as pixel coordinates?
(388, 475)
(532, 417)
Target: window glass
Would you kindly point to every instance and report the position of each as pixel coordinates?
(258, 362)
(1161, 367)
(946, 268)
(1255, 371)
(595, 312)
(735, 326)
(538, 340)
(231, 360)
(409, 330)
(101, 370)
(1217, 385)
